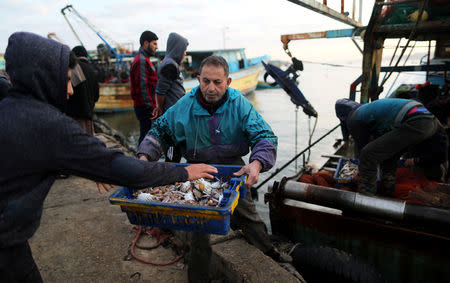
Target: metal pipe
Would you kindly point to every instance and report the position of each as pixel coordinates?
(353, 9)
(377, 206)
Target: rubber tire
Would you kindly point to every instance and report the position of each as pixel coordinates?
(325, 264)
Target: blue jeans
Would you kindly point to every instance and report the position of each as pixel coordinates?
(144, 115)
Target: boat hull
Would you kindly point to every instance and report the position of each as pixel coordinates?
(400, 249)
(114, 98)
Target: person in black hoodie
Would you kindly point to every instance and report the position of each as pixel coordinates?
(169, 88)
(80, 105)
(39, 142)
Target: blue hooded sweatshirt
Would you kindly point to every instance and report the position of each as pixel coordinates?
(170, 82)
(39, 141)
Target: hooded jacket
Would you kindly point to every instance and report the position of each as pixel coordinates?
(343, 109)
(170, 82)
(39, 141)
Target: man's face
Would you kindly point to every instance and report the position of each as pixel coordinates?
(69, 84)
(213, 83)
(151, 46)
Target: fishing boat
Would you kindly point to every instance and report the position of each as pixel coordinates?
(345, 236)
(243, 72)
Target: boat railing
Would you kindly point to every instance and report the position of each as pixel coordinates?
(412, 68)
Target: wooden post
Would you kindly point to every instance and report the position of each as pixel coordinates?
(372, 55)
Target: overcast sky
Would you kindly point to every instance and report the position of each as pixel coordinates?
(253, 24)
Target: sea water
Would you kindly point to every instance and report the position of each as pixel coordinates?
(322, 85)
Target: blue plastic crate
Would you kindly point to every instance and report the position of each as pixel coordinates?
(197, 218)
(345, 182)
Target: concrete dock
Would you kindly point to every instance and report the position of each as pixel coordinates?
(83, 238)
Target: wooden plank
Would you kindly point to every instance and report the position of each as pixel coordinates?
(325, 10)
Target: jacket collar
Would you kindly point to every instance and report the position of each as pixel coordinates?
(233, 94)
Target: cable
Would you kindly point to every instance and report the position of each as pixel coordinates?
(152, 232)
(278, 170)
(411, 35)
(404, 63)
(311, 133)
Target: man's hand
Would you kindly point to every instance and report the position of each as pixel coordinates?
(156, 113)
(252, 170)
(197, 171)
(105, 186)
(409, 162)
(143, 157)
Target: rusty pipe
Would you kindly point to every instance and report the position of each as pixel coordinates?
(378, 206)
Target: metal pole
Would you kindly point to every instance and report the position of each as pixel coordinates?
(360, 11)
(278, 170)
(296, 135)
(353, 9)
(71, 27)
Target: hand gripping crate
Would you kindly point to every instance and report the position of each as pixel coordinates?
(196, 218)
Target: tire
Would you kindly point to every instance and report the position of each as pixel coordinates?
(325, 264)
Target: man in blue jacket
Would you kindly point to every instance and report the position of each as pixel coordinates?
(216, 124)
(39, 142)
(383, 130)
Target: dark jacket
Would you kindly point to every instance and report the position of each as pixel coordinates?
(81, 104)
(170, 82)
(382, 116)
(433, 150)
(143, 78)
(39, 141)
(4, 86)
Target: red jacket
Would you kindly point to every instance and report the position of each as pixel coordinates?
(143, 80)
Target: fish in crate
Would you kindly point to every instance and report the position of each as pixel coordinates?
(196, 192)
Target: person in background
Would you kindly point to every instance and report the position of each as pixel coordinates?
(440, 107)
(143, 78)
(169, 88)
(216, 124)
(39, 142)
(80, 105)
(383, 130)
(5, 85)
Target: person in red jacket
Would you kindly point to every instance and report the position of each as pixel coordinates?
(143, 79)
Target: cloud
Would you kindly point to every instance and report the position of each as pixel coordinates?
(255, 25)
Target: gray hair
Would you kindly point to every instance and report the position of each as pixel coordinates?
(216, 61)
